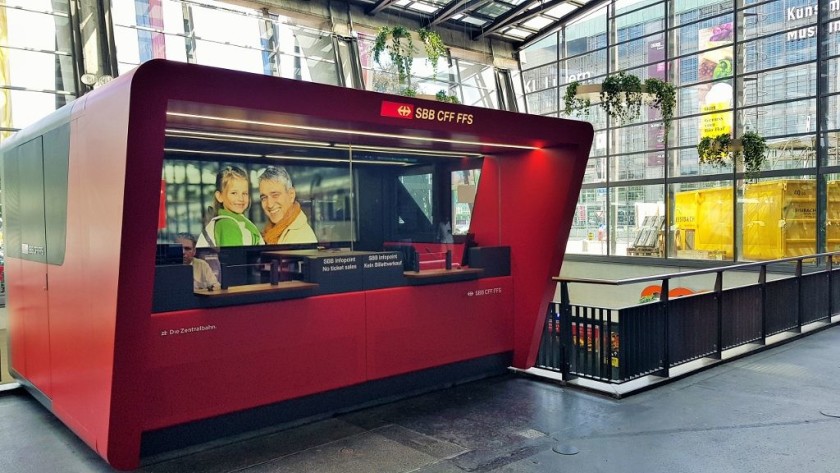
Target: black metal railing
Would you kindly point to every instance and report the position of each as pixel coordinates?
(621, 344)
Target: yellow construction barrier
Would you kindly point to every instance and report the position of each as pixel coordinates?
(832, 217)
(779, 220)
(703, 221)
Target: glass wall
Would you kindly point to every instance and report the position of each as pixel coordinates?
(769, 67)
(218, 34)
(37, 73)
(472, 83)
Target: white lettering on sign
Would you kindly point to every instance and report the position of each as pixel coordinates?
(579, 77)
(187, 330)
(345, 263)
(484, 292)
(800, 13)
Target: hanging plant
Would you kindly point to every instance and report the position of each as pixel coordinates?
(750, 149)
(409, 92)
(753, 153)
(397, 42)
(442, 96)
(715, 150)
(573, 103)
(662, 96)
(435, 49)
(621, 96)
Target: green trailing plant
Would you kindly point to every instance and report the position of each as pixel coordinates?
(662, 96)
(409, 92)
(753, 152)
(442, 96)
(621, 96)
(435, 49)
(573, 103)
(397, 42)
(720, 150)
(715, 150)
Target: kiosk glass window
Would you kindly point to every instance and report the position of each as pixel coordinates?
(464, 187)
(414, 203)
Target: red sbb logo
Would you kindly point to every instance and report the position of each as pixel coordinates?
(397, 110)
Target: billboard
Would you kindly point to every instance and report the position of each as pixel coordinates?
(715, 64)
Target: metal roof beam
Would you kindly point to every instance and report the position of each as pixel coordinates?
(379, 6)
(458, 6)
(518, 14)
(561, 21)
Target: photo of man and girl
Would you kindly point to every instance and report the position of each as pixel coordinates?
(229, 225)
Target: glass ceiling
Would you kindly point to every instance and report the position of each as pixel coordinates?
(513, 20)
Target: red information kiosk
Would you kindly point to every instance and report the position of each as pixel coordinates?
(434, 230)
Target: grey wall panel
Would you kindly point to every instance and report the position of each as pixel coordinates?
(33, 242)
(56, 162)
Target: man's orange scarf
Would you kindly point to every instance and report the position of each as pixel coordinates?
(272, 231)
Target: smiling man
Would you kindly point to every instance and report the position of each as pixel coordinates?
(286, 221)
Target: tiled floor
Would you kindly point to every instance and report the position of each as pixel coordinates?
(776, 411)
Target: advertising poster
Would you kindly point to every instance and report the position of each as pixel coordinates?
(224, 204)
(715, 64)
(656, 132)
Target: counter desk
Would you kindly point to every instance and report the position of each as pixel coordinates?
(335, 320)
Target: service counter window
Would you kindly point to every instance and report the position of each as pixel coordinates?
(233, 203)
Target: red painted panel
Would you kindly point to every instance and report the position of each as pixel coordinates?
(537, 253)
(536, 229)
(203, 363)
(84, 289)
(413, 328)
(33, 278)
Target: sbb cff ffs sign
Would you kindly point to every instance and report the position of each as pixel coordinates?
(408, 111)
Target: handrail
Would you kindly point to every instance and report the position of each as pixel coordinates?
(655, 331)
(696, 272)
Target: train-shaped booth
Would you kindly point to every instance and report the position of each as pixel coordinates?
(194, 252)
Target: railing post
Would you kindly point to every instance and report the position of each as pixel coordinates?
(799, 294)
(565, 313)
(830, 259)
(666, 329)
(719, 310)
(762, 291)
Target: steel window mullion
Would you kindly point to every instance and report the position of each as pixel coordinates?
(630, 12)
(791, 65)
(716, 16)
(628, 41)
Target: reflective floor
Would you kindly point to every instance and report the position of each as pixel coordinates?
(776, 411)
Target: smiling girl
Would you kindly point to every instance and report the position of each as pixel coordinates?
(230, 227)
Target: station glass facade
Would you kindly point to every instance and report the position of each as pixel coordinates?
(765, 66)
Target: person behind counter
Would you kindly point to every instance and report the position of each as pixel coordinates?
(203, 276)
(230, 227)
(287, 222)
